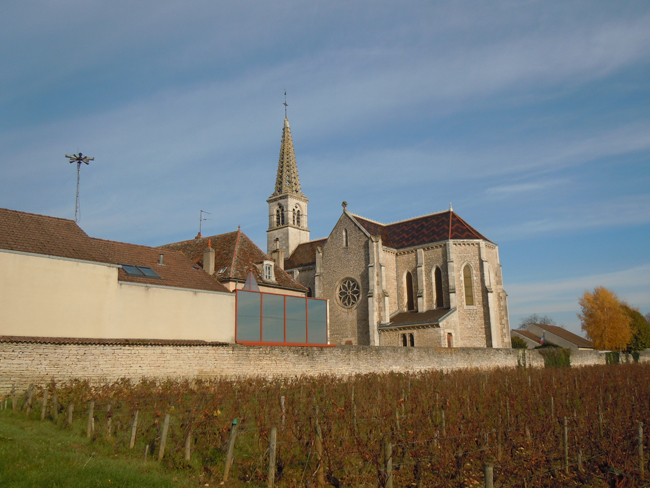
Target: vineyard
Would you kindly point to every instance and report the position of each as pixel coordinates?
(517, 427)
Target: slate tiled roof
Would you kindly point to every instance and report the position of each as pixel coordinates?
(566, 335)
(430, 317)
(50, 236)
(119, 342)
(421, 230)
(304, 254)
(235, 254)
(177, 270)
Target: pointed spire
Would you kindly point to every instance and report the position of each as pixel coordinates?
(287, 181)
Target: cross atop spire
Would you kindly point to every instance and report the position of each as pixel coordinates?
(287, 181)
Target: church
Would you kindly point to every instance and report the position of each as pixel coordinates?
(430, 281)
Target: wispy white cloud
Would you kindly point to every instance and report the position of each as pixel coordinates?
(517, 188)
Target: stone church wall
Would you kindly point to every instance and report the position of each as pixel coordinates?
(406, 261)
(390, 278)
(473, 319)
(339, 262)
(436, 256)
(22, 364)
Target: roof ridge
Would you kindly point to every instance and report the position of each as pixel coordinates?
(196, 239)
(471, 229)
(401, 221)
(234, 252)
(40, 215)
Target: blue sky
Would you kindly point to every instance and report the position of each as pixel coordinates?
(532, 117)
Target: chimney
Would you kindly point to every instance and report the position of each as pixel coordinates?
(208, 259)
(160, 259)
(278, 256)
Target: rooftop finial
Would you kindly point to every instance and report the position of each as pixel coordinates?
(285, 104)
(451, 209)
(344, 204)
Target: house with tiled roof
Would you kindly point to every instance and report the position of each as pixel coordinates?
(230, 257)
(538, 334)
(432, 280)
(59, 283)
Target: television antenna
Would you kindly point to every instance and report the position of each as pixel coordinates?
(78, 158)
(202, 218)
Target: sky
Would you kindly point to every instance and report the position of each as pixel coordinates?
(531, 117)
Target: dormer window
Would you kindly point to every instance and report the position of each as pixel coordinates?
(268, 272)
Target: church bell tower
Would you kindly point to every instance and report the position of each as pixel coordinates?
(287, 205)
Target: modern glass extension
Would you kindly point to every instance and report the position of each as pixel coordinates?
(280, 320)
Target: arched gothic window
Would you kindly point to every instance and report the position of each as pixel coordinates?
(450, 340)
(410, 303)
(346, 242)
(298, 217)
(438, 299)
(469, 288)
(294, 216)
(279, 216)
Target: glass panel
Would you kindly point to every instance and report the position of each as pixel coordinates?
(248, 316)
(317, 321)
(148, 272)
(132, 270)
(296, 320)
(273, 318)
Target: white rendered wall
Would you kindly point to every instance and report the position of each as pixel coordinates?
(50, 297)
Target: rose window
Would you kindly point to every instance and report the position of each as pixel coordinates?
(349, 293)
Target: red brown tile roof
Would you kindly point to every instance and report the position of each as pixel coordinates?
(304, 254)
(50, 236)
(235, 254)
(118, 342)
(437, 227)
(177, 270)
(566, 335)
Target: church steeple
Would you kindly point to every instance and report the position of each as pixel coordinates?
(287, 204)
(287, 181)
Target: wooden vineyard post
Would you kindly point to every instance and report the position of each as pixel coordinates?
(354, 415)
(320, 476)
(188, 444)
(552, 408)
(566, 447)
(14, 404)
(163, 440)
(600, 421)
(91, 424)
(444, 430)
(488, 471)
(230, 452)
(46, 394)
(388, 460)
(641, 463)
(109, 421)
(70, 410)
(499, 439)
(397, 419)
(55, 408)
(134, 428)
(283, 410)
(146, 452)
(28, 403)
(272, 446)
(580, 460)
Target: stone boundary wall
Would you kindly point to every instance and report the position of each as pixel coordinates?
(22, 364)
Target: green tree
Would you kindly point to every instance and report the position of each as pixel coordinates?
(640, 329)
(519, 343)
(535, 319)
(604, 320)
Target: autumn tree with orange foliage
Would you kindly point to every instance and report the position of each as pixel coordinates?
(604, 320)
